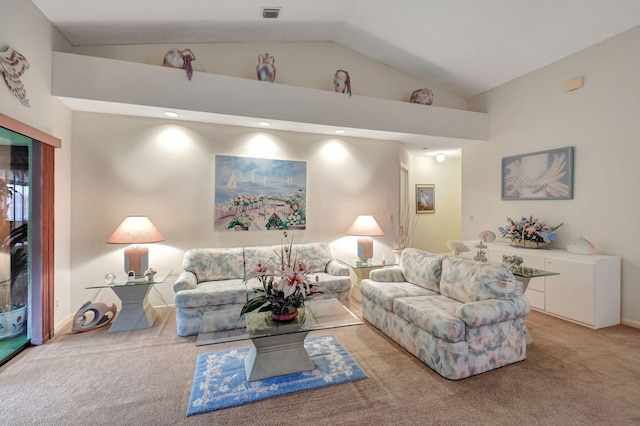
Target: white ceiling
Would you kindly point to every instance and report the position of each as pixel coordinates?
(466, 46)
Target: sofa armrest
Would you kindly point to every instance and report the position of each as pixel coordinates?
(338, 269)
(186, 281)
(388, 275)
(493, 311)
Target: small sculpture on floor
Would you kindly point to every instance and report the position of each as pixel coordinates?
(93, 315)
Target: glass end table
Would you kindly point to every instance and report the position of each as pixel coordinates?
(362, 270)
(136, 312)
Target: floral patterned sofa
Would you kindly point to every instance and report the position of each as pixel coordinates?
(458, 316)
(214, 280)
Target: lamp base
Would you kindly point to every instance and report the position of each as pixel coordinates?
(365, 248)
(136, 259)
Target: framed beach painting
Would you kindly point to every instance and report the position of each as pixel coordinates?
(544, 175)
(425, 198)
(259, 194)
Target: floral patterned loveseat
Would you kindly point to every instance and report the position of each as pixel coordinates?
(458, 316)
(214, 280)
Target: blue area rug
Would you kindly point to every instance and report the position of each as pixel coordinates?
(220, 380)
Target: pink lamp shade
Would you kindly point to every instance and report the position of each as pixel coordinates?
(366, 227)
(136, 230)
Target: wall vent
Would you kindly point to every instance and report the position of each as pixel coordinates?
(271, 12)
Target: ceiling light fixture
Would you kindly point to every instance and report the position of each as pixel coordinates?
(264, 124)
(440, 157)
(340, 132)
(170, 114)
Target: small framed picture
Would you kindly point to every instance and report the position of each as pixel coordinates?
(425, 198)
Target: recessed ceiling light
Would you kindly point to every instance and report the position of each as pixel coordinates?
(264, 124)
(170, 114)
(340, 132)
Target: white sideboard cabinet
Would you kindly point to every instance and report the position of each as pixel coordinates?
(586, 291)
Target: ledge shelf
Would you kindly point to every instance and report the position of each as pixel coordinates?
(88, 78)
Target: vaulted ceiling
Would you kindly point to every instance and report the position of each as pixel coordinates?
(465, 46)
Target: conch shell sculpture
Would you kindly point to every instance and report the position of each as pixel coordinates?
(93, 315)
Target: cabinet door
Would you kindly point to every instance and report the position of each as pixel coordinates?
(571, 294)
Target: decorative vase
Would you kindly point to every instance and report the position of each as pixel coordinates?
(266, 68)
(285, 316)
(422, 96)
(342, 82)
(397, 254)
(13, 322)
(530, 244)
(177, 58)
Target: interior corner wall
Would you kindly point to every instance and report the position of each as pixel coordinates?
(432, 230)
(25, 29)
(601, 120)
(165, 169)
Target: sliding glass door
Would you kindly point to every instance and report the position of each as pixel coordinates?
(15, 213)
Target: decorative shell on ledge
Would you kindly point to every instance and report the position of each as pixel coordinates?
(581, 246)
(422, 96)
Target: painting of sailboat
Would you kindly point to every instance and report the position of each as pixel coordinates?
(232, 183)
(254, 194)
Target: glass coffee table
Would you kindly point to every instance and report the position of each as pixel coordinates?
(278, 347)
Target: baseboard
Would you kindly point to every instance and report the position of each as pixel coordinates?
(65, 323)
(630, 323)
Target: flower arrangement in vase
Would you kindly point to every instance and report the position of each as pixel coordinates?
(401, 231)
(529, 232)
(285, 286)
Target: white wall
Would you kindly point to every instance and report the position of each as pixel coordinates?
(165, 169)
(602, 122)
(303, 64)
(25, 29)
(432, 230)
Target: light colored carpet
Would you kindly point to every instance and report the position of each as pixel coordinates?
(220, 379)
(572, 376)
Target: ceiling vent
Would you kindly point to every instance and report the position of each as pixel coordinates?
(270, 12)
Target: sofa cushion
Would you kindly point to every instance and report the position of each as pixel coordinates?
(493, 311)
(315, 256)
(216, 293)
(214, 264)
(422, 268)
(383, 293)
(433, 314)
(470, 281)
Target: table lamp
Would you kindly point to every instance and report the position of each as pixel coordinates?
(136, 230)
(365, 227)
